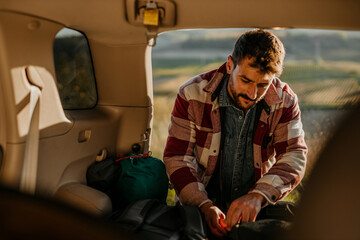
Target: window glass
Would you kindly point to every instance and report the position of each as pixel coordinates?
(322, 67)
(74, 71)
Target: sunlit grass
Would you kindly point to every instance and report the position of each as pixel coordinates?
(162, 110)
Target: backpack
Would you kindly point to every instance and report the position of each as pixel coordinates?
(151, 219)
(102, 175)
(129, 178)
(141, 177)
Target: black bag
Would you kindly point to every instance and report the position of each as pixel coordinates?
(150, 219)
(103, 175)
(272, 223)
(269, 229)
(282, 210)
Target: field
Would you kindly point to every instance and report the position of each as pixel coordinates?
(324, 99)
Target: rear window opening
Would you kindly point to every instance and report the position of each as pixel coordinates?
(321, 66)
(75, 77)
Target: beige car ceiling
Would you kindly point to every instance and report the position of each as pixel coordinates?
(106, 20)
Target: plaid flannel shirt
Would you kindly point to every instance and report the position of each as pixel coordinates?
(193, 144)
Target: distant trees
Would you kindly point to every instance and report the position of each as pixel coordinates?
(300, 45)
(74, 72)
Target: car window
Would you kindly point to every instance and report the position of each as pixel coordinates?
(322, 67)
(74, 70)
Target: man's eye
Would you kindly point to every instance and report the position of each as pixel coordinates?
(245, 80)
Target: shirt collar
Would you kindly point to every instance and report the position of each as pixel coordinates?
(224, 97)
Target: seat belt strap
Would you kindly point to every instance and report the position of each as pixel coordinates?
(30, 163)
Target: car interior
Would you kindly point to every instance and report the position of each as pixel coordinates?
(52, 127)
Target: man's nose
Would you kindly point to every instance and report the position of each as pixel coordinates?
(252, 92)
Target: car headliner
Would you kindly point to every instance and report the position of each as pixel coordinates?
(106, 21)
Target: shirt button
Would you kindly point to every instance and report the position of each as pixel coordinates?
(236, 189)
(240, 117)
(262, 125)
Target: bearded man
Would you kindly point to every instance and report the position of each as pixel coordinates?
(236, 142)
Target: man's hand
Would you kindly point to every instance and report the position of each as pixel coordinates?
(215, 218)
(244, 209)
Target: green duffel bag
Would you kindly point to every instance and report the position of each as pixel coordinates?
(141, 177)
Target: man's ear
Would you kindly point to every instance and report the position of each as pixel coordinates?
(229, 65)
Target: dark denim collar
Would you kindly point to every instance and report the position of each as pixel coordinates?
(224, 97)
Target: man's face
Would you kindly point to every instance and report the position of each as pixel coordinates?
(247, 85)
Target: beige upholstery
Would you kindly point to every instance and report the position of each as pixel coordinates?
(72, 189)
(85, 198)
(27, 61)
(52, 117)
(24, 65)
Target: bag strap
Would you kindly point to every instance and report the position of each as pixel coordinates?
(145, 155)
(166, 234)
(151, 223)
(162, 208)
(195, 226)
(133, 216)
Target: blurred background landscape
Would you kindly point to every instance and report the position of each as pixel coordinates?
(322, 67)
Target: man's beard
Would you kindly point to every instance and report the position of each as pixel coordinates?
(244, 96)
(249, 105)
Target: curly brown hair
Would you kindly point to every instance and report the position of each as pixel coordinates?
(264, 47)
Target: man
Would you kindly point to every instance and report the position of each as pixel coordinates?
(235, 139)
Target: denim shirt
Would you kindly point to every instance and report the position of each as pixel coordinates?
(237, 171)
